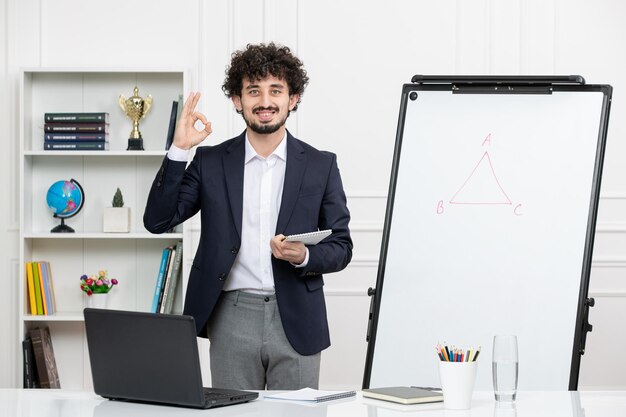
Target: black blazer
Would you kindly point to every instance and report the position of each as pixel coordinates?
(313, 198)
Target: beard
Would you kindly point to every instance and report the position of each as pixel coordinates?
(264, 129)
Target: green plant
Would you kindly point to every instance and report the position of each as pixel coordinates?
(118, 200)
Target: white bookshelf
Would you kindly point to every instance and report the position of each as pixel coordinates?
(133, 258)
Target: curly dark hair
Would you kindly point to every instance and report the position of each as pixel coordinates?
(256, 62)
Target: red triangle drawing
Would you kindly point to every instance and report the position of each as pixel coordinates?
(482, 186)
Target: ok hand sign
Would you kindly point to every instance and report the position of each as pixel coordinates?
(186, 135)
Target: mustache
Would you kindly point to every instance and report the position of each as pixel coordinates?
(257, 109)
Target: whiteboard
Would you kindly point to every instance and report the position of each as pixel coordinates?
(489, 229)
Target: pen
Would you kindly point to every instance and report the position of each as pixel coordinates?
(455, 354)
(445, 354)
(427, 388)
(439, 353)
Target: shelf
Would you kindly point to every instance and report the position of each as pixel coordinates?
(95, 153)
(144, 235)
(59, 316)
(132, 258)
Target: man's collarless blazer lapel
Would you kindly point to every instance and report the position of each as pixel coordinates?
(294, 174)
(233, 161)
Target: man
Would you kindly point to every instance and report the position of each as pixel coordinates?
(257, 297)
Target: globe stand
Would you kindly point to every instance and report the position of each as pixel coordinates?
(62, 228)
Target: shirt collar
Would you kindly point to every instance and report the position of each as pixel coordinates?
(280, 151)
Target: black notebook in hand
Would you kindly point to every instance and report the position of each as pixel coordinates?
(404, 395)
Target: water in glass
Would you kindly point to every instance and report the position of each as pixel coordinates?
(505, 367)
(505, 380)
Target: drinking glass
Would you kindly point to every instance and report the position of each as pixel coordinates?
(505, 367)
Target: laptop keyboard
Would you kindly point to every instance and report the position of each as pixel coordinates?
(212, 396)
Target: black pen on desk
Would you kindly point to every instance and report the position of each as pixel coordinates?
(427, 388)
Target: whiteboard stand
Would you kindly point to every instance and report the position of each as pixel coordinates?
(489, 227)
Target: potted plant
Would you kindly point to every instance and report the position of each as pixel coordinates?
(117, 218)
(97, 288)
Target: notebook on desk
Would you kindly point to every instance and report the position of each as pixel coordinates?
(152, 358)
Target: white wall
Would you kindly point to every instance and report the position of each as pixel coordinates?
(358, 55)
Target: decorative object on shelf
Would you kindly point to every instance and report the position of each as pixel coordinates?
(97, 288)
(116, 219)
(136, 109)
(77, 131)
(65, 199)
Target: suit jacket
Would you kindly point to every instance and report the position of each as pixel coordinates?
(313, 198)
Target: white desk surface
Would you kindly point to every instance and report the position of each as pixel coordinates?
(64, 403)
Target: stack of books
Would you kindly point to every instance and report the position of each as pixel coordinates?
(40, 368)
(168, 279)
(76, 131)
(41, 299)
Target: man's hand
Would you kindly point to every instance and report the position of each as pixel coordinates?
(294, 252)
(186, 135)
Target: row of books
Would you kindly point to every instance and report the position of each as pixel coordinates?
(40, 369)
(41, 300)
(168, 279)
(76, 131)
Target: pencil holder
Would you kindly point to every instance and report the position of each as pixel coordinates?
(457, 384)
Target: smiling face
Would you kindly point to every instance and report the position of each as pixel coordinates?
(265, 104)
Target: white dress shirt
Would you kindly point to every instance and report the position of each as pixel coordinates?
(262, 194)
(263, 180)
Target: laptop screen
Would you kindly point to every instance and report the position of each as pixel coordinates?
(144, 356)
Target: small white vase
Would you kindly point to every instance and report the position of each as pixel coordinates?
(116, 220)
(96, 300)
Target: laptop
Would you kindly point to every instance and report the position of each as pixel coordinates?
(150, 358)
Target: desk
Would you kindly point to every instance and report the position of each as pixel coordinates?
(63, 403)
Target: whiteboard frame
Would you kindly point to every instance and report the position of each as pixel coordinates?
(498, 85)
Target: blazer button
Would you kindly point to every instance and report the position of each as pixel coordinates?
(234, 250)
(221, 276)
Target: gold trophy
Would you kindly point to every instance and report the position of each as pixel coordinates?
(136, 109)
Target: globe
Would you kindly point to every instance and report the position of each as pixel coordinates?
(65, 199)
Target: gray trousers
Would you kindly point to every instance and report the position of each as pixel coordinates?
(249, 349)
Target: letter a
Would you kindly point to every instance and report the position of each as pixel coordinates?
(487, 140)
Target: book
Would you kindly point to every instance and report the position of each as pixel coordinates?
(172, 126)
(76, 127)
(44, 358)
(159, 282)
(77, 117)
(166, 278)
(181, 103)
(47, 299)
(37, 286)
(47, 285)
(49, 272)
(30, 369)
(311, 238)
(44, 300)
(76, 136)
(30, 285)
(76, 146)
(311, 395)
(404, 395)
(172, 283)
